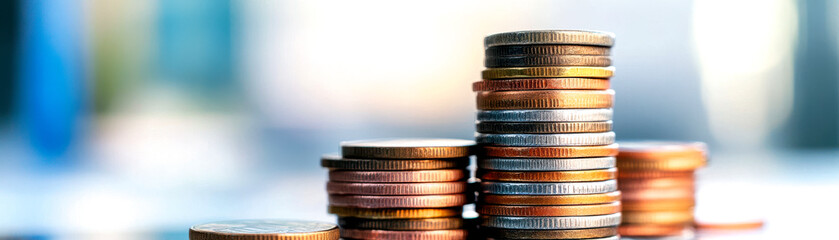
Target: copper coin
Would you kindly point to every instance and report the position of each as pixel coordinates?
(543, 200)
(550, 211)
(659, 194)
(543, 127)
(550, 233)
(541, 50)
(658, 217)
(409, 148)
(632, 230)
(451, 234)
(265, 229)
(548, 60)
(729, 225)
(432, 188)
(550, 152)
(658, 205)
(337, 162)
(652, 150)
(553, 176)
(648, 183)
(402, 224)
(421, 201)
(654, 174)
(443, 175)
(541, 84)
(671, 164)
(395, 213)
(545, 99)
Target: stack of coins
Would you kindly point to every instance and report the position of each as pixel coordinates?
(267, 229)
(400, 188)
(657, 182)
(546, 162)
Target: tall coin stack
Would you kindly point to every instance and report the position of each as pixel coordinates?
(400, 188)
(657, 181)
(546, 162)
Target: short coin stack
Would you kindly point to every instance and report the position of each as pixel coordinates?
(546, 161)
(264, 229)
(657, 182)
(400, 188)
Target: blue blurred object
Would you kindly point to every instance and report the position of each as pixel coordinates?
(51, 77)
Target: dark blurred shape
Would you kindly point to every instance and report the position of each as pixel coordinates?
(815, 117)
(8, 48)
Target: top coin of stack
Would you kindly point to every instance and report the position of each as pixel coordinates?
(266, 229)
(547, 165)
(657, 182)
(400, 188)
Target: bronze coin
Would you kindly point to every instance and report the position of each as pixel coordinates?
(658, 194)
(649, 183)
(649, 230)
(550, 211)
(548, 72)
(432, 188)
(550, 233)
(623, 174)
(543, 50)
(549, 60)
(420, 201)
(543, 127)
(541, 84)
(658, 217)
(411, 148)
(729, 225)
(545, 99)
(337, 162)
(652, 150)
(402, 224)
(442, 175)
(451, 234)
(551, 152)
(552, 176)
(395, 213)
(658, 205)
(547, 200)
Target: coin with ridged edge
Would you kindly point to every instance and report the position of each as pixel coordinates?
(551, 152)
(514, 188)
(658, 205)
(654, 174)
(550, 211)
(540, 140)
(575, 222)
(572, 37)
(550, 200)
(546, 115)
(541, 84)
(545, 99)
(555, 60)
(409, 148)
(659, 194)
(550, 176)
(264, 229)
(419, 201)
(616, 237)
(546, 164)
(543, 50)
(547, 72)
(648, 183)
(395, 213)
(651, 230)
(543, 127)
(658, 217)
(671, 164)
(431, 188)
(451, 234)
(500, 233)
(335, 161)
(402, 224)
(655, 150)
(441, 175)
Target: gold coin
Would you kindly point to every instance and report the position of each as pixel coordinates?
(395, 213)
(658, 217)
(573, 37)
(268, 229)
(544, 99)
(543, 200)
(550, 176)
(548, 72)
(407, 148)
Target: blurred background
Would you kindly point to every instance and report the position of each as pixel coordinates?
(136, 119)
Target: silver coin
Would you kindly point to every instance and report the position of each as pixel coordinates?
(262, 226)
(556, 188)
(538, 140)
(549, 115)
(546, 164)
(574, 37)
(575, 222)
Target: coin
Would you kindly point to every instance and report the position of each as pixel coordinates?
(412, 148)
(511, 188)
(541, 84)
(729, 225)
(420, 201)
(542, 50)
(337, 162)
(648, 183)
(550, 234)
(548, 60)
(659, 194)
(572, 37)
(654, 174)
(551, 152)
(547, 72)
(402, 224)
(453, 234)
(396, 188)
(657, 205)
(653, 150)
(604, 238)
(546, 115)
(545, 99)
(546, 164)
(650, 230)
(575, 222)
(550, 211)
(671, 164)
(544, 127)
(537, 200)
(552, 176)
(442, 175)
(540, 140)
(404, 213)
(264, 229)
(659, 217)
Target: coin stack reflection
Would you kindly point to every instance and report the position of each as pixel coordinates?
(546, 161)
(400, 188)
(657, 182)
